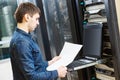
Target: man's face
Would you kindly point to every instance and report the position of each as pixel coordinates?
(33, 22)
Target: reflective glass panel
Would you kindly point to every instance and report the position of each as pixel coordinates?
(7, 25)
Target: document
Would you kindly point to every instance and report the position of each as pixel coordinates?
(68, 54)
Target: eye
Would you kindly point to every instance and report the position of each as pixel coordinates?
(37, 19)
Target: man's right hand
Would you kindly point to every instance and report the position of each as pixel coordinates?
(62, 71)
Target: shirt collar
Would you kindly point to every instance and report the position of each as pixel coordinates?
(23, 32)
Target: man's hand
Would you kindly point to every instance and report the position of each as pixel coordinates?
(54, 60)
(62, 71)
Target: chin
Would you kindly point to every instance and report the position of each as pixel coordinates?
(32, 30)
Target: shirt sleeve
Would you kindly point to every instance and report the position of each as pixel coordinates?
(25, 62)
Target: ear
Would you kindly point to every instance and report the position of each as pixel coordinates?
(26, 17)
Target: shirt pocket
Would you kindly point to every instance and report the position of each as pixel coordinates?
(35, 53)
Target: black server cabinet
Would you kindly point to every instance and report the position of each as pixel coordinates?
(60, 21)
(114, 34)
(63, 20)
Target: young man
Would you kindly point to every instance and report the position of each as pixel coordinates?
(26, 59)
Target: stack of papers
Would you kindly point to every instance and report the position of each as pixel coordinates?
(68, 54)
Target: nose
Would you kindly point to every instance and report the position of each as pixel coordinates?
(38, 22)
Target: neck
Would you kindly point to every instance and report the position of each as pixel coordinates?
(23, 27)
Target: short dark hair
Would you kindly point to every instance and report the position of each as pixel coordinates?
(25, 8)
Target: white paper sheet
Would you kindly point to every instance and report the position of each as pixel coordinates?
(68, 53)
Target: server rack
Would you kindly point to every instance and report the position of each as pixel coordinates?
(54, 27)
(114, 34)
(75, 10)
(59, 22)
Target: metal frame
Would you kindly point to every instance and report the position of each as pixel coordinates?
(44, 32)
(114, 34)
(76, 17)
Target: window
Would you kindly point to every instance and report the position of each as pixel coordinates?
(7, 25)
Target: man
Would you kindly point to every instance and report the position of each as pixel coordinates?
(26, 59)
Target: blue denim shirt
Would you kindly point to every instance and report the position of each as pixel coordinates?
(26, 59)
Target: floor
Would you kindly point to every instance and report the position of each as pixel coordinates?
(5, 70)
